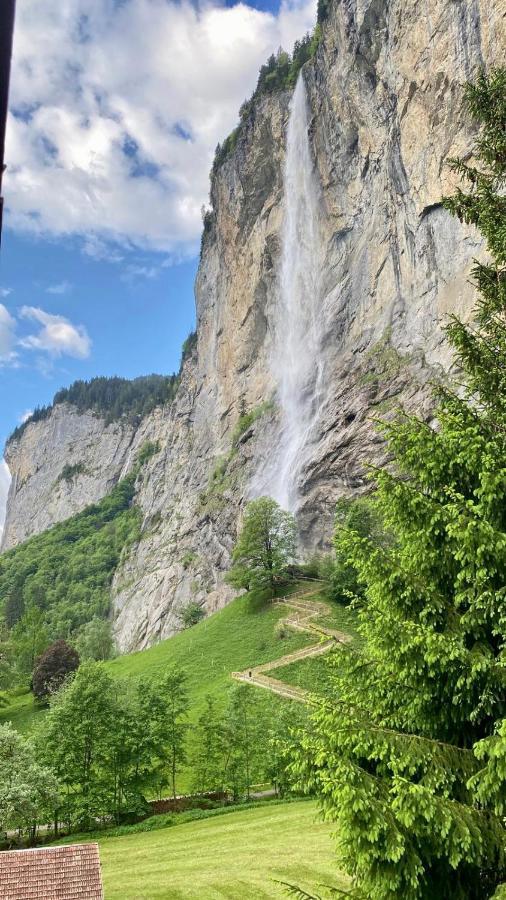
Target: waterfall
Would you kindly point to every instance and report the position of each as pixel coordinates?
(298, 326)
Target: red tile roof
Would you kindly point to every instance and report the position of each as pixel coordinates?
(51, 873)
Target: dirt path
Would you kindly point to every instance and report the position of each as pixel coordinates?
(303, 611)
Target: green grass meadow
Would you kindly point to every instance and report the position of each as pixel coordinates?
(238, 856)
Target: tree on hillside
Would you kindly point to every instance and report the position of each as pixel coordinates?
(95, 640)
(28, 791)
(207, 763)
(52, 668)
(6, 659)
(409, 756)
(266, 546)
(30, 639)
(243, 730)
(168, 704)
(76, 740)
(105, 740)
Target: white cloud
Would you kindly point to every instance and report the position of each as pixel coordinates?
(7, 337)
(5, 480)
(25, 416)
(4, 292)
(58, 336)
(63, 287)
(118, 108)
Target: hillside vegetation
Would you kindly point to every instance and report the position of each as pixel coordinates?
(113, 398)
(245, 633)
(58, 580)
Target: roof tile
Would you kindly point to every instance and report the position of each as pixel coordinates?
(51, 873)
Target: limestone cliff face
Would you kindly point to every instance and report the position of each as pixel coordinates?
(385, 94)
(58, 466)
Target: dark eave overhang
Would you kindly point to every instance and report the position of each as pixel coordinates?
(7, 9)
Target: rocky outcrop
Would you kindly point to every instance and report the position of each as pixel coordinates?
(60, 465)
(385, 91)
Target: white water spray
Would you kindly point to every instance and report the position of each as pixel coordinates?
(298, 327)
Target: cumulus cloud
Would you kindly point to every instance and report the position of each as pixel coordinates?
(115, 116)
(57, 336)
(7, 336)
(5, 480)
(25, 416)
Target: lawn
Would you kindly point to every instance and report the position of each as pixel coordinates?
(238, 856)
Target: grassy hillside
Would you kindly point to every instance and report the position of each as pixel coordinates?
(242, 634)
(239, 855)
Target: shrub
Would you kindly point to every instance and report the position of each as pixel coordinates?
(191, 614)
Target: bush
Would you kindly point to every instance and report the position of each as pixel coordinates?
(148, 449)
(191, 614)
(52, 668)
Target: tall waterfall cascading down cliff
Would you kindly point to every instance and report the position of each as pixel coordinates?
(296, 361)
(335, 252)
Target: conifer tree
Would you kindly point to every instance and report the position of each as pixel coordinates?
(409, 757)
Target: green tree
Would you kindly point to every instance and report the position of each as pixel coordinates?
(30, 638)
(76, 740)
(282, 730)
(359, 516)
(7, 672)
(28, 790)
(168, 704)
(266, 546)
(243, 740)
(192, 614)
(409, 756)
(95, 640)
(207, 763)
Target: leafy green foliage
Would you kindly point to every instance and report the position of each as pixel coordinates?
(207, 761)
(71, 471)
(191, 614)
(62, 577)
(190, 343)
(265, 547)
(361, 517)
(28, 790)
(408, 756)
(147, 451)
(52, 668)
(323, 11)
(243, 740)
(95, 640)
(167, 703)
(247, 419)
(96, 741)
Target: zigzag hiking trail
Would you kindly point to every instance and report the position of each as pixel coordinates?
(303, 612)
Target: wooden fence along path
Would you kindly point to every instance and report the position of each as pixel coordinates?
(303, 612)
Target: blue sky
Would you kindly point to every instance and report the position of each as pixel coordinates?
(116, 108)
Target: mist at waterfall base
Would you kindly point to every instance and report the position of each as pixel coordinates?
(298, 329)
